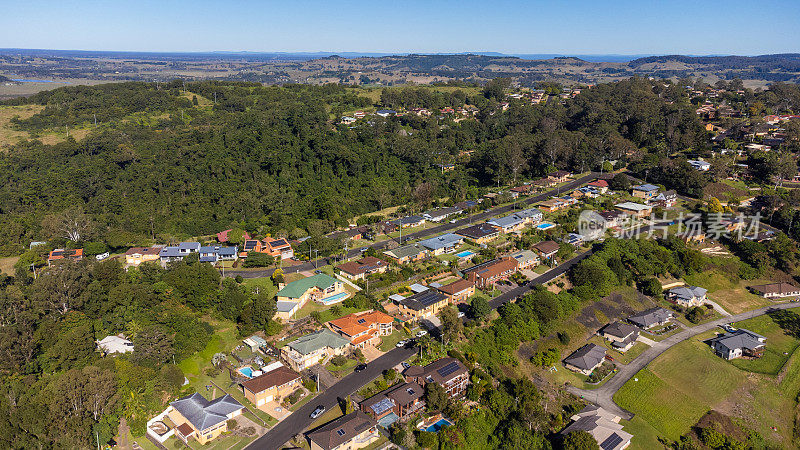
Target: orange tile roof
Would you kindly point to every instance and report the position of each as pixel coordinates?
(356, 323)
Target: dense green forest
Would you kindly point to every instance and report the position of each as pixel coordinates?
(271, 160)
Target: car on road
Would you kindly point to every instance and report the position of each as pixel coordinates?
(317, 411)
(454, 221)
(360, 367)
(317, 271)
(728, 327)
(421, 333)
(402, 343)
(363, 249)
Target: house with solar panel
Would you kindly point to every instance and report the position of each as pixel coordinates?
(204, 420)
(395, 403)
(423, 304)
(449, 373)
(602, 425)
(353, 431)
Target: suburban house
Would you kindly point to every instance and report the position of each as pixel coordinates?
(363, 328)
(651, 317)
(585, 192)
(614, 218)
(458, 291)
(480, 233)
(137, 255)
(547, 249)
(739, 343)
(645, 191)
(395, 403)
(114, 344)
(666, 199)
(525, 259)
(543, 183)
(574, 239)
(217, 253)
(353, 431)
(449, 373)
(439, 214)
(204, 420)
(362, 268)
(687, 296)
(517, 221)
(278, 248)
(776, 290)
(407, 253)
(600, 185)
(321, 288)
(602, 425)
(409, 221)
(354, 233)
(423, 304)
(585, 359)
(60, 253)
(553, 205)
(486, 274)
(312, 348)
(702, 166)
(271, 386)
(446, 243)
(178, 252)
(635, 209)
(559, 176)
(621, 335)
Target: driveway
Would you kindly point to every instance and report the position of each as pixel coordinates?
(371, 353)
(604, 395)
(718, 308)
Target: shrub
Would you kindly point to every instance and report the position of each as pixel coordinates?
(563, 337)
(232, 424)
(339, 360)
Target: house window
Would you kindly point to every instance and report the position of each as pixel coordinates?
(340, 432)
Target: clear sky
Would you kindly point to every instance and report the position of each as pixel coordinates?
(403, 26)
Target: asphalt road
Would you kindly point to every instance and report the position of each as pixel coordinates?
(439, 229)
(300, 420)
(604, 395)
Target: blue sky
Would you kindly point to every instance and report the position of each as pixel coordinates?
(403, 26)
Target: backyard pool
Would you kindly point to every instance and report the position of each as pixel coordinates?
(465, 254)
(441, 423)
(246, 371)
(334, 298)
(545, 226)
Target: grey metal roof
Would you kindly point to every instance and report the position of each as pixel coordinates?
(510, 220)
(688, 292)
(203, 414)
(317, 340)
(647, 318)
(284, 306)
(443, 241)
(740, 338)
(646, 187)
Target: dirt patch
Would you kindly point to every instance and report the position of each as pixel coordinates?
(7, 264)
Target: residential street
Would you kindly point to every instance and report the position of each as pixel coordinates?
(300, 420)
(439, 229)
(604, 395)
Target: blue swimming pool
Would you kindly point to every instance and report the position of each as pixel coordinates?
(545, 226)
(246, 371)
(439, 425)
(334, 298)
(465, 254)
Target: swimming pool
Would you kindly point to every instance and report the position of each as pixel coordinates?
(545, 226)
(333, 298)
(246, 371)
(465, 254)
(439, 425)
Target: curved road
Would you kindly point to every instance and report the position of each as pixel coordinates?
(604, 395)
(442, 228)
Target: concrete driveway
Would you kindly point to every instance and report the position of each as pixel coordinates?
(604, 395)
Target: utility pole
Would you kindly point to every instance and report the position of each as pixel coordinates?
(95, 119)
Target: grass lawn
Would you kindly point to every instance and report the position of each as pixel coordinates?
(645, 437)
(733, 296)
(344, 369)
(261, 284)
(622, 358)
(388, 342)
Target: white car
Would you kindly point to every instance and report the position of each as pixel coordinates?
(401, 343)
(102, 256)
(421, 333)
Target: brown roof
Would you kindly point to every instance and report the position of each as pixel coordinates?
(478, 231)
(493, 268)
(455, 287)
(143, 251)
(406, 393)
(362, 265)
(341, 430)
(185, 429)
(547, 246)
(440, 371)
(775, 288)
(277, 377)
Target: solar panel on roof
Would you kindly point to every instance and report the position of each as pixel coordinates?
(611, 442)
(448, 369)
(382, 406)
(361, 321)
(340, 432)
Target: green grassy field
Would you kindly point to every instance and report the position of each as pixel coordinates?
(676, 389)
(731, 295)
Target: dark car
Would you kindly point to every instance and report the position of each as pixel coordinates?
(360, 367)
(317, 411)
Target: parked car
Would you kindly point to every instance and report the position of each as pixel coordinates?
(317, 411)
(453, 220)
(317, 271)
(363, 249)
(728, 327)
(421, 333)
(405, 365)
(402, 343)
(360, 367)
(102, 256)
